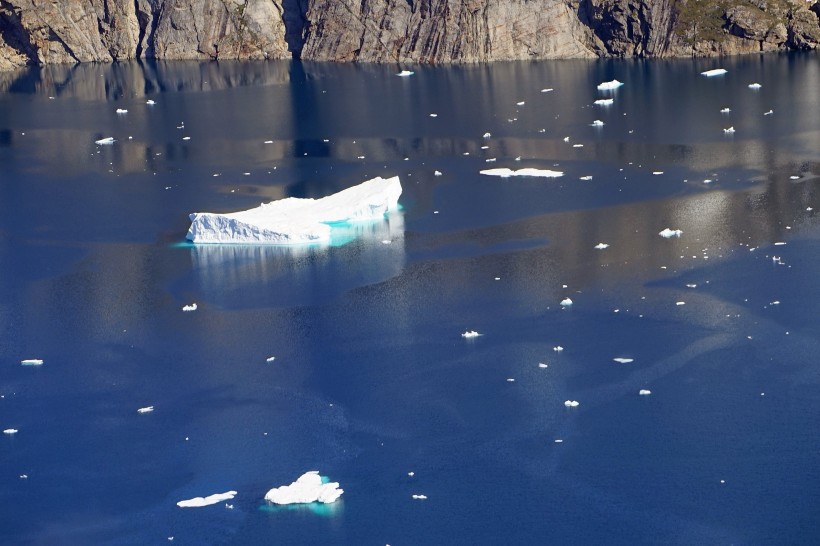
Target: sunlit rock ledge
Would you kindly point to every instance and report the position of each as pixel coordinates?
(295, 220)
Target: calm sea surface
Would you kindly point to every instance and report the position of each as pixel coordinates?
(371, 379)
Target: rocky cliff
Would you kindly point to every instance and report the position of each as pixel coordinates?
(430, 31)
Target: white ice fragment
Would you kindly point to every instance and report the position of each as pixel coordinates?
(572, 403)
(510, 380)
(10, 431)
(780, 243)
(437, 173)
(657, 173)
(557, 348)
(490, 160)
(306, 489)
(32, 362)
(607, 86)
(505, 173)
(566, 139)
(644, 392)
(559, 441)
(668, 233)
(146, 409)
(298, 221)
(188, 308)
(775, 302)
(268, 142)
(546, 90)
(270, 359)
(542, 365)
(597, 123)
(622, 360)
(725, 110)
(755, 86)
(601, 246)
(680, 303)
(150, 102)
(729, 130)
(577, 145)
(521, 103)
(198, 502)
(405, 73)
(714, 72)
(105, 141)
(587, 177)
(470, 334)
(486, 135)
(794, 177)
(122, 111)
(566, 302)
(769, 113)
(186, 138)
(433, 115)
(691, 286)
(420, 497)
(411, 474)
(604, 102)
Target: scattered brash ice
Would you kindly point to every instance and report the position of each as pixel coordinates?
(505, 173)
(668, 233)
(189, 308)
(32, 362)
(306, 489)
(198, 502)
(714, 72)
(607, 86)
(298, 221)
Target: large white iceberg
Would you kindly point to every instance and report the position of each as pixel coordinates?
(198, 502)
(297, 221)
(504, 173)
(308, 488)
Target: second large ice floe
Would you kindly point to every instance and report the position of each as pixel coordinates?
(308, 488)
(298, 221)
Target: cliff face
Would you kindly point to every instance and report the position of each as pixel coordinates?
(432, 31)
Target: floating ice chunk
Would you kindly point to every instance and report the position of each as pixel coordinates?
(433, 115)
(566, 139)
(521, 103)
(780, 243)
(557, 348)
(32, 362)
(405, 73)
(10, 431)
(270, 359)
(105, 141)
(755, 86)
(546, 90)
(150, 102)
(186, 138)
(597, 123)
(680, 303)
(122, 111)
(621, 360)
(486, 135)
(542, 365)
(510, 380)
(604, 102)
(572, 403)
(566, 302)
(714, 72)
(607, 86)
(146, 409)
(657, 173)
(198, 502)
(490, 160)
(577, 145)
(601, 246)
(437, 173)
(188, 308)
(794, 177)
(769, 113)
(644, 392)
(505, 173)
(298, 221)
(470, 334)
(306, 489)
(729, 130)
(420, 497)
(669, 233)
(725, 110)
(691, 286)
(587, 177)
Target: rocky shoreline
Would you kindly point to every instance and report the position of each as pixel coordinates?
(40, 32)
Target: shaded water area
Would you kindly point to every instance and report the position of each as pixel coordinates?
(372, 379)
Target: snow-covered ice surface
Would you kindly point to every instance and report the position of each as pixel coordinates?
(505, 172)
(309, 487)
(199, 502)
(298, 221)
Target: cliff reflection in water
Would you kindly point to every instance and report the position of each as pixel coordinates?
(235, 276)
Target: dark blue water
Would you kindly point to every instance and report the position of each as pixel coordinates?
(372, 379)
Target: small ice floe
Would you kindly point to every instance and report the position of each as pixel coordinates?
(680, 303)
(714, 72)
(433, 115)
(268, 142)
(780, 243)
(587, 177)
(755, 86)
(411, 474)
(505, 173)
(794, 177)
(729, 130)
(559, 441)
(601, 246)
(419, 497)
(32, 362)
(668, 233)
(557, 348)
(566, 302)
(521, 103)
(437, 173)
(146, 409)
(543, 365)
(198, 502)
(188, 308)
(23, 476)
(405, 73)
(577, 145)
(572, 403)
(10, 431)
(607, 86)
(270, 359)
(622, 360)
(657, 173)
(510, 380)
(546, 90)
(470, 334)
(644, 392)
(122, 111)
(604, 102)
(725, 110)
(489, 160)
(308, 488)
(186, 138)
(597, 123)
(486, 135)
(769, 113)
(105, 141)
(150, 102)
(691, 286)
